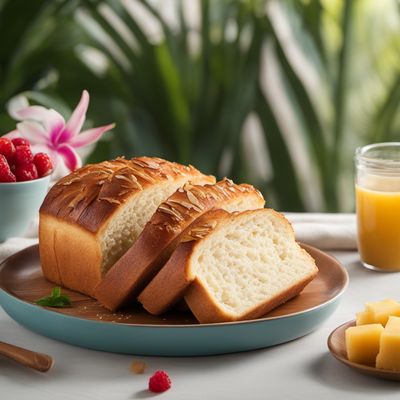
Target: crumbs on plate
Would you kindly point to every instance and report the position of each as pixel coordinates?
(137, 367)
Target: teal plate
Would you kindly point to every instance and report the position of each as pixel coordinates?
(133, 331)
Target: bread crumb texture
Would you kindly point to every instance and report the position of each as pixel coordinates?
(247, 262)
(137, 367)
(127, 224)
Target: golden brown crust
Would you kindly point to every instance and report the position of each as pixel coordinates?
(127, 278)
(90, 195)
(70, 256)
(158, 296)
(206, 310)
(176, 281)
(78, 208)
(47, 231)
(170, 284)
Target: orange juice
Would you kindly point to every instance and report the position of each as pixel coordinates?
(378, 218)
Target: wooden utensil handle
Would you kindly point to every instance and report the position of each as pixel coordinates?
(40, 362)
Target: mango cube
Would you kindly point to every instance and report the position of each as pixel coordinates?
(378, 312)
(364, 318)
(389, 352)
(393, 325)
(362, 343)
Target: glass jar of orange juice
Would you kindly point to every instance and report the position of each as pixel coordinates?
(378, 205)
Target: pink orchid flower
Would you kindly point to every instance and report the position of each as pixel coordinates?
(48, 132)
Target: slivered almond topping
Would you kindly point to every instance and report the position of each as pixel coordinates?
(111, 200)
(124, 192)
(171, 211)
(193, 199)
(199, 232)
(80, 196)
(222, 190)
(201, 192)
(187, 186)
(69, 182)
(151, 164)
(181, 203)
(144, 175)
(171, 228)
(146, 164)
(122, 177)
(135, 181)
(214, 195)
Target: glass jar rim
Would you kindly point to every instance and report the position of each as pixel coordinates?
(375, 162)
(363, 150)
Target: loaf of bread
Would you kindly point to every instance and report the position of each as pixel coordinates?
(125, 280)
(231, 267)
(92, 216)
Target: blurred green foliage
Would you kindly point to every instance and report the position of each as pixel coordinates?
(277, 93)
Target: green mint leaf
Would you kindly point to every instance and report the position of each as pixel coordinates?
(64, 299)
(43, 301)
(56, 299)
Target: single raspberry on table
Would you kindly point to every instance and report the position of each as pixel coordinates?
(159, 382)
(7, 149)
(26, 172)
(20, 142)
(5, 172)
(23, 155)
(43, 164)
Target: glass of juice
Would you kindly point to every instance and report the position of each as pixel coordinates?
(378, 205)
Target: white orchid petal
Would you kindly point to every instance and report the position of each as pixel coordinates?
(48, 117)
(90, 136)
(75, 123)
(54, 123)
(16, 104)
(33, 131)
(35, 113)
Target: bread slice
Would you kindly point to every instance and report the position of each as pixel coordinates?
(133, 271)
(92, 216)
(231, 267)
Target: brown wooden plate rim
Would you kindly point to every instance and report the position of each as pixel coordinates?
(216, 324)
(359, 367)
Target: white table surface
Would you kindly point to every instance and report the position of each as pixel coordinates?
(297, 370)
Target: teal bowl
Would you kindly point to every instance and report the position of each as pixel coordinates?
(19, 204)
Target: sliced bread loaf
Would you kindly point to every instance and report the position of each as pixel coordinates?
(231, 267)
(133, 271)
(92, 216)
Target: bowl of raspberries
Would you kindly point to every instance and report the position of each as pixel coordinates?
(24, 180)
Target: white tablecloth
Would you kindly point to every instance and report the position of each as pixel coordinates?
(296, 370)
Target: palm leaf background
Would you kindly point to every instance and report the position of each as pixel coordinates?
(319, 78)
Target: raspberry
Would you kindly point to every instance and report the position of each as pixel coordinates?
(23, 155)
(7, 148)
(5, 173)
(21, 142)
(159, 382)
(26, 172)
(43, 164)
